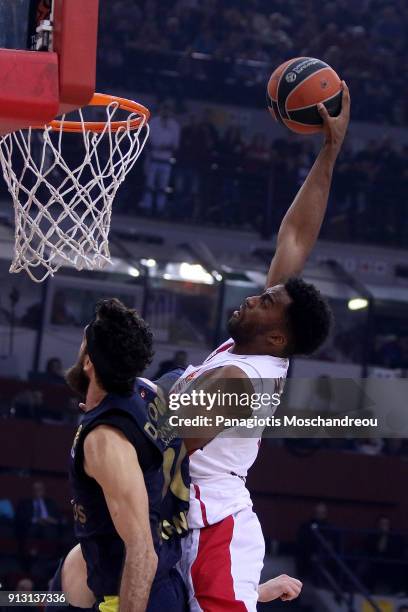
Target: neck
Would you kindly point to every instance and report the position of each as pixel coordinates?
(247, 349)
(243, 349)
(94, 396)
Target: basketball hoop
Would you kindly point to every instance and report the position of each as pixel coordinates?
(63, 208)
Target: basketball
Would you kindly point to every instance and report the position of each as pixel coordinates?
(296, 87)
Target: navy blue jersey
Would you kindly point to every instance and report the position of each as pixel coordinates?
(101, 545)
(176, 490)
(164, 465)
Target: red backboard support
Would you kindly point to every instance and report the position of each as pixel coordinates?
(75, 42)
(37, 86)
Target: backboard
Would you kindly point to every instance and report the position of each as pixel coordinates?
(62, 202)
(47, 59)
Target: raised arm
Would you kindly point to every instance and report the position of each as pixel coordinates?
(301, 225)
(112, 461)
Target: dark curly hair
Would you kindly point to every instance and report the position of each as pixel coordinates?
(309, 317)
(119, 344)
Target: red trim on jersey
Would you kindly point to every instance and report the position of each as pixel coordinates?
(202, 505)
(211, 571)
(222, 348)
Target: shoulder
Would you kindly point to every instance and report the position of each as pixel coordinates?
(229, 371)
(226, 369)
(117, 434)
(228, 378)
(106, 453)
(103, 438)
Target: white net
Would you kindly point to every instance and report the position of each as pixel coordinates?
(63, 206)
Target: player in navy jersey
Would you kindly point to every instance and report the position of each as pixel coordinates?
(127, 545)
(129, 478)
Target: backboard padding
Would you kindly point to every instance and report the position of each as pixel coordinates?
(69, 64)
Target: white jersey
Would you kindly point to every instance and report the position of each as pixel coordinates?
(218, 471)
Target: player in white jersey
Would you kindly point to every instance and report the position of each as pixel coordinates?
(223, 554)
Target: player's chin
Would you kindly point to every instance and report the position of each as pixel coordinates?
(234, 324)
(77, 380)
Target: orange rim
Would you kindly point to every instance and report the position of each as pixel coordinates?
(99, 126)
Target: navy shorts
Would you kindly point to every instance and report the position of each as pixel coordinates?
(168, 593)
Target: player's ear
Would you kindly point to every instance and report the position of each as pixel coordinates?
(88, 365)
(277, 341)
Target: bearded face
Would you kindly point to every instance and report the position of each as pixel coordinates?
(259, 316)
(247, 323)
(76, 378)
(241, 330)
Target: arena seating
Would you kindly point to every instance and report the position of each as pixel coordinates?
(321, 476)
(226, 50)
(37, 442)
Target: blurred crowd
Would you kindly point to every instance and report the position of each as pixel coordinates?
(70, 309)
(200, 173)
(378, 555)
(221, 47)
(391, 447)
(42, 534)
(388, 350)
(34, 399)
(391, 351)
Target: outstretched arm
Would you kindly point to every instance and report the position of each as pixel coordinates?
(112, 461)
(301, 224)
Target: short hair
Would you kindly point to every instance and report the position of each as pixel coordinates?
(309, 317)
(119, 344)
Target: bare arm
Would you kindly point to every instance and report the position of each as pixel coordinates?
(282, 587)
(301, 224)
(73, 579)
(222, 382)
(112, 461)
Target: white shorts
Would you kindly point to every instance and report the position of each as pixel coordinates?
(221, 564)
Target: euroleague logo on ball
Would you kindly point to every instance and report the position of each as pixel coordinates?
(296, 86)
